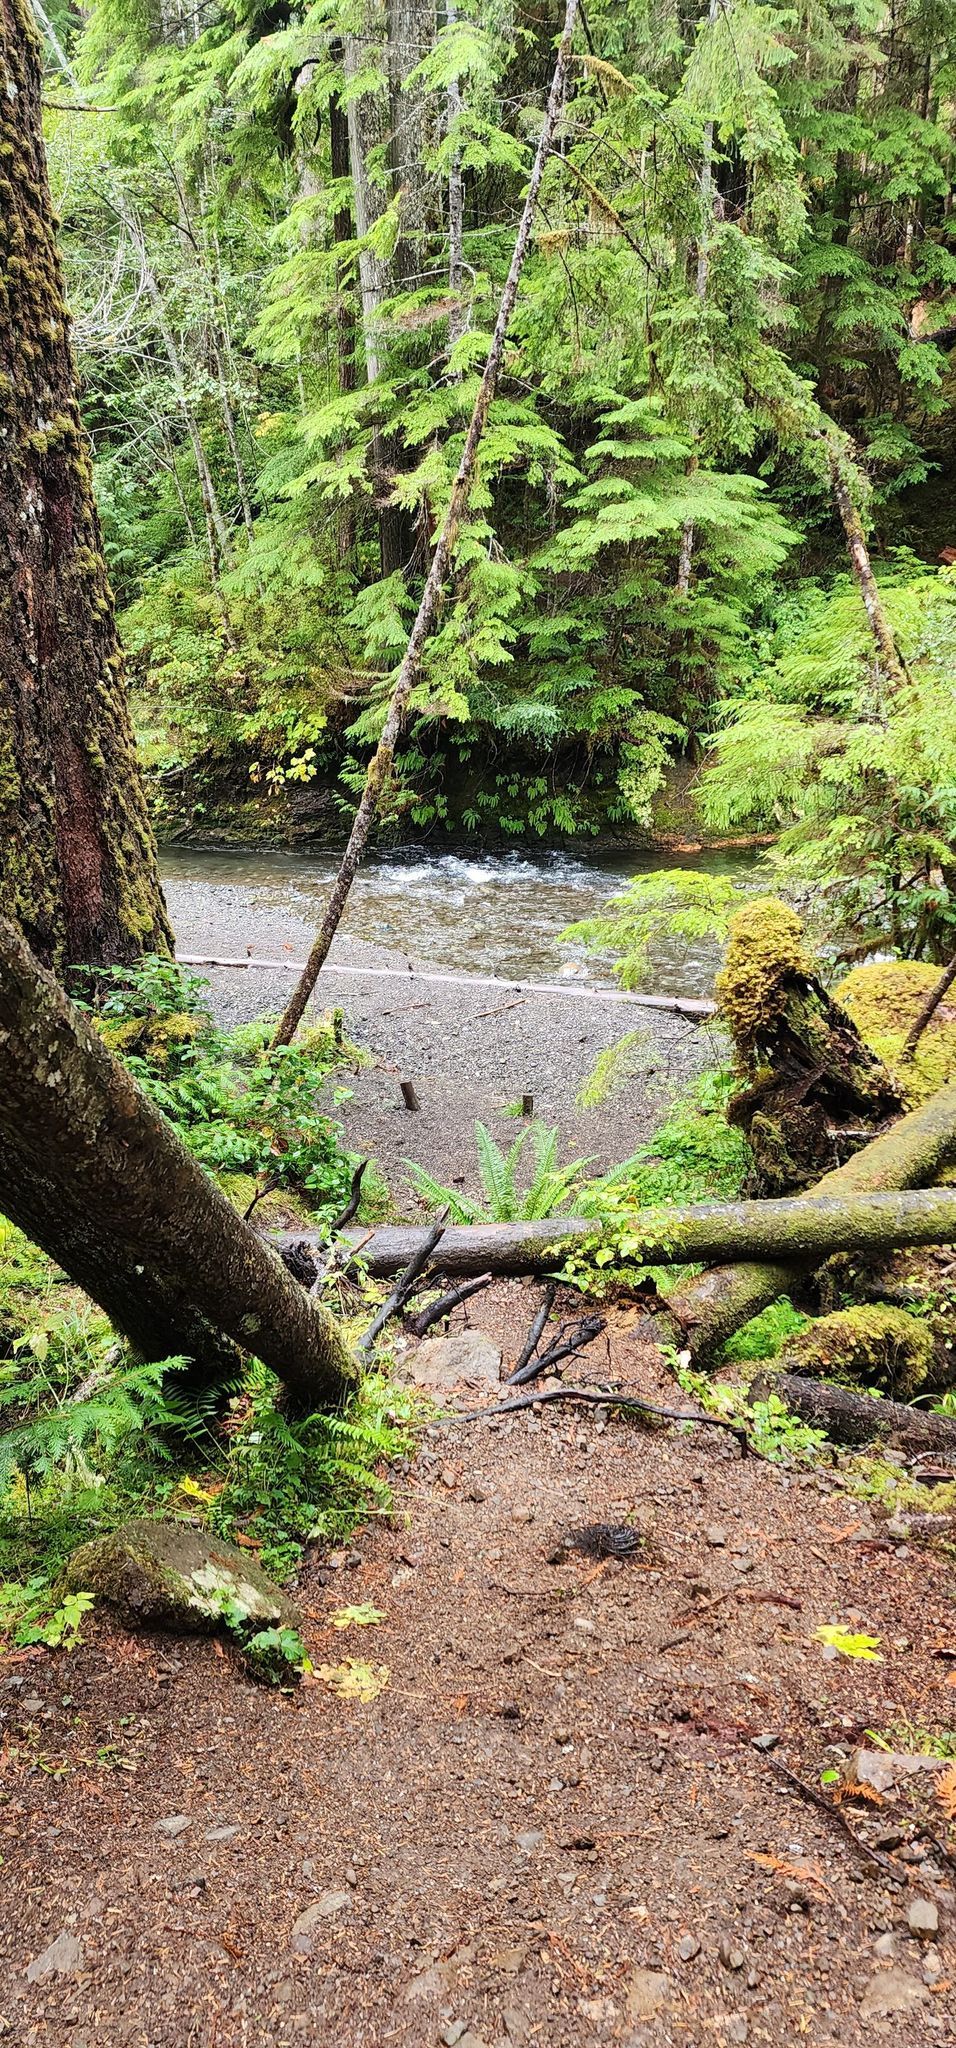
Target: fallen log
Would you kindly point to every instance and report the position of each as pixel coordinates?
(701, 1315)
(807, 1228)
(856, 1418)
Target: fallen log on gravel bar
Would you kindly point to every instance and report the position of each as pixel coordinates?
(700, 1316)
(854, 1418)
(808, 1228)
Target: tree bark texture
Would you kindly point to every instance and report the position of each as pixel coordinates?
(77, 859)
(703, 1314)
(811, 1228)
(93, 1173)
(380, 766)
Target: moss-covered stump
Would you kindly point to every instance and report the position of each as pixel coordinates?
(168, 1575)
(812, 1090)
(873, 1346)
(884, 1001)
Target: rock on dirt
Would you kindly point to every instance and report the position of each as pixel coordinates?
(168, 1575)
(443, 1363)
(891, 1991)
(923, 1917)
(647, 1991)
(63, 1958)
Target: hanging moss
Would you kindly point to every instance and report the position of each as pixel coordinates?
(884, 1001)
(873, 1346)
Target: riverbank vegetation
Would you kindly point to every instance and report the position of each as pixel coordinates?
(285, 238)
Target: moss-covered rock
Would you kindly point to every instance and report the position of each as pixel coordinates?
(884, 1001)
(169, 1575)
(873, 1345)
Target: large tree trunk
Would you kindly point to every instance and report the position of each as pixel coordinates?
(703, 1314)
(810, 1228)
(77, 859)
(93, 1173)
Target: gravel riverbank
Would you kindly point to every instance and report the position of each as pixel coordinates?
(469, 1051)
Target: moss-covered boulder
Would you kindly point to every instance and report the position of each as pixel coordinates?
(884, 1001)
(169, 1575)
(873, 1345)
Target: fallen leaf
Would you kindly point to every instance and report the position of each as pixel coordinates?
(353, 1680)
(363, 1616)
(946, 1791)
(848, 1645)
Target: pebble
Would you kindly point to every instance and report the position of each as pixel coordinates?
(736, 2027)
(766, 1742)
(172, 1825)
(322, 1909)
(530, 1839)
(688, 1947)
(732, 1958)
(716, 1536)
(923, 1917)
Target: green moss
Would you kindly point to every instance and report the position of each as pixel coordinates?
(884, 1001)
(155, 1038)
(872, 1345)
(765, 947)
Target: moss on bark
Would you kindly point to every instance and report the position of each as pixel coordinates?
(77, 859)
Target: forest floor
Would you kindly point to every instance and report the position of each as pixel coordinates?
(560, 1821)
(470, 1051)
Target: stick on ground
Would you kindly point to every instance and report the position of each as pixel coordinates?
(594, 1397)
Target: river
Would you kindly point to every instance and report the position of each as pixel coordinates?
(479, 913)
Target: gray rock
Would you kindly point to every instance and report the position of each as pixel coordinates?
(736, 2027)
(517, 2024)
(922, 1917)
(323, 1908)
(766, 1742)
(530, 1839)
(891, 1991)
(224, 1834)
(688, 1947)
(63, 1958)
(732, 1958)
(716, 1536)
(887, 1948)
(451, 2035)
(168, 1575)
(443, 1363)
(173, 1824)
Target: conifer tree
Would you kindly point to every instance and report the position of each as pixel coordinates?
(77, 859)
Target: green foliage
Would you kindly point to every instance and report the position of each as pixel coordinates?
(862, 785)
(668, 903)
(240, 1107)
(774, 1432)
(288, 1482)
(509, 1195)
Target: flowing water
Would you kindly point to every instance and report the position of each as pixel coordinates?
(480, 913)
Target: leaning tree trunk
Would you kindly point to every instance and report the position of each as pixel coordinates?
(77, 859)
(700, 1316)
(93, 1173)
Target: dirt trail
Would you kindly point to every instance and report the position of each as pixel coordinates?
(553, 1826)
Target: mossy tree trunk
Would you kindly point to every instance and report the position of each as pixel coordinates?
(97, 1178)
(77, 859)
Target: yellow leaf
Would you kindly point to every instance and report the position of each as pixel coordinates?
(365, 1616)
(946, 1791)
(835, 1638)
(353, 1680)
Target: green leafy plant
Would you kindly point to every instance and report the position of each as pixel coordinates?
(848, 1643)
(550, 1189)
